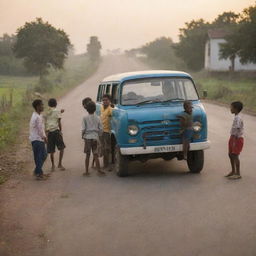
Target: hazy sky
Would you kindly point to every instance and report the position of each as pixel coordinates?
(118, 23)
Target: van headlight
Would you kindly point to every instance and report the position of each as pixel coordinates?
(133, 130)
(197, 126)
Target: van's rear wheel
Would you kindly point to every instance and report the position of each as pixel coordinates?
(121, 163)
(195, 161)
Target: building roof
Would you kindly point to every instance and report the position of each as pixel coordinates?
(217, 33)
(144, 74)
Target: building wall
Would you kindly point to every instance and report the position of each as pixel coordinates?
(212, 61)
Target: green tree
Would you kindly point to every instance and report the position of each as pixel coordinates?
(41, 46)
(191, 46)
(93, 48)
(226, 19)
(241, 40)
(6, 45)
(247, 35)
(160, 53)
(230, 49)
(9, 65)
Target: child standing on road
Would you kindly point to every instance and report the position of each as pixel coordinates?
(38, 138)
(186, 121)
(54, 133)
(85, 102)
(106, 114)
(91, 131)
(236, 140)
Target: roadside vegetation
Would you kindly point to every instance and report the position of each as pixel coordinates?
(188, 55)
(225, 87)
(25, 75)
(16, 93)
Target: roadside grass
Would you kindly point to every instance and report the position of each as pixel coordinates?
(56, 84)
(226, 88)
(17, 81)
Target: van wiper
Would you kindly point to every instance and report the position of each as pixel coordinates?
(175, 99)
(148, 101)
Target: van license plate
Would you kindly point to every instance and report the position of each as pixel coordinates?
(165, 149)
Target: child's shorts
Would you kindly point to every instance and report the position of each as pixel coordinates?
(235, 145)
(91, 145)
(55, 139)
(188, 134)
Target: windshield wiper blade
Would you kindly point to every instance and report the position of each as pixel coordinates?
(176, 99)
(148, 101)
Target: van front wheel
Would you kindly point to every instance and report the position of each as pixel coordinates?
(195, 161)
(121, 163)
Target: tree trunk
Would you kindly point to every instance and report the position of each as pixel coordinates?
(232, 67)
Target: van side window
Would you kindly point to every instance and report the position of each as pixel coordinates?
(108, 89)
(114, 93)
(99, 93)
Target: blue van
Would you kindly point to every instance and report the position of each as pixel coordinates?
(145, 125)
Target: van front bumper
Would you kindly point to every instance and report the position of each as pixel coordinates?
(163, 149)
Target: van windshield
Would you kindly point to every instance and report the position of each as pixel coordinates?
(157, 90)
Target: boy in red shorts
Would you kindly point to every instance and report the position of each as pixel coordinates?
(236, 140)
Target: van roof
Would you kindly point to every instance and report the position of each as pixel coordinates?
(144, 74)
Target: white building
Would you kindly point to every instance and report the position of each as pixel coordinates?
(212, 52)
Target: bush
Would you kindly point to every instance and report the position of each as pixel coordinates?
(221, 92)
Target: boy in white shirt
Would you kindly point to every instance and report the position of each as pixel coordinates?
(236, 140)
(38, 138)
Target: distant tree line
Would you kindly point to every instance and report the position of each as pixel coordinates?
(38, 47)
(9, 64)
(190, 50)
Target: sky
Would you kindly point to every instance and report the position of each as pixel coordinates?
(121, 24)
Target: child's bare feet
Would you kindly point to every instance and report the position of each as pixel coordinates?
(229, 174)
(62, 168)
(86, 174)
(42, 176)
(53, 168)
(235, 177)
(101, 173)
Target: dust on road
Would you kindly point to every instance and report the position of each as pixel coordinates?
(160, 210)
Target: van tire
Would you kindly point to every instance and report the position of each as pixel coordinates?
(121, 163)
(195, 161)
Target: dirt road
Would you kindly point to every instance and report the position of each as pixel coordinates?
(162, 210)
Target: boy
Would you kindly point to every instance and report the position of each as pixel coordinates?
(38, 138)
(85, 102)
(54, 133)
(186, 121)
(106, 114)
(91, 130)
(236, 140)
